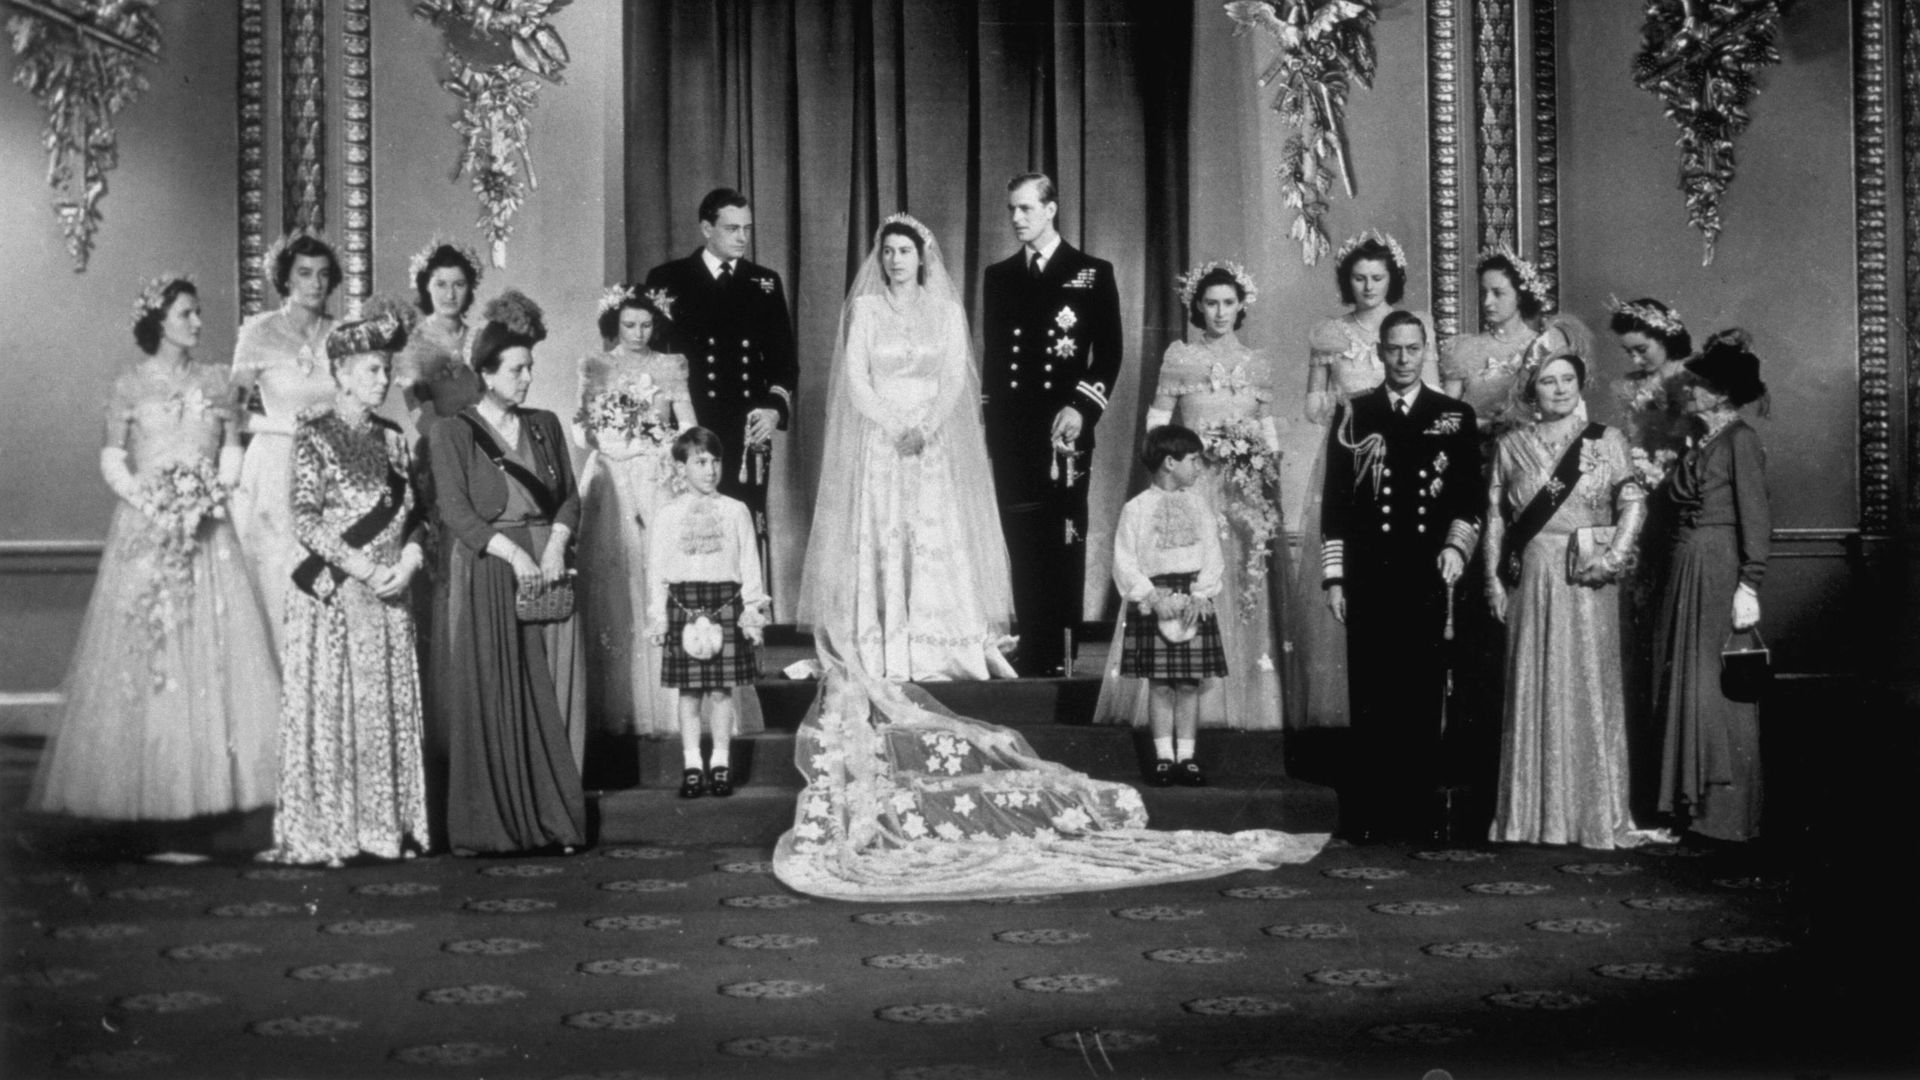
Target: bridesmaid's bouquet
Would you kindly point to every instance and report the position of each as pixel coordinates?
(177, 499)
(627, 410)
(1249, 485)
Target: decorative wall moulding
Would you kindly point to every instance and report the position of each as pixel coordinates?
(1496, 132)
(1871, 238)
(252, 103)
(1546, 148)
(82, 60)
(1444, 224)
(303, 115)
(356, 174)
(1910, 170)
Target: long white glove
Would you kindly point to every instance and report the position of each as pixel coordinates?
(1746, 608)
(230, 459)
(1270, 433)
(113, 467)
(1158, 418)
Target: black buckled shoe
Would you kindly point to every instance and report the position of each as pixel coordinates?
(719, 782)
(693, 784)
(1161, 775)
(1190, 774)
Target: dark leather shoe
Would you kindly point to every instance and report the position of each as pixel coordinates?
(1190, 773)
(1161, 775)
(719, 782)
(693, 784)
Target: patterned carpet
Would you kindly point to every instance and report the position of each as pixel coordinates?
(633, 961)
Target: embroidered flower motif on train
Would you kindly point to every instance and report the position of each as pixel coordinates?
(303, 1027)
(169, 1002)
(493, 946)
(1066, 984)
(1471, 950)
(347, 971)
(618, 1019)
(1313, 931)
(632, 923)
(474, 994)
(938, 1012)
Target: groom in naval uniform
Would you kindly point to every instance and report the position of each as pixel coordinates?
(729, 319)
(1401, 518)
(1050, 327)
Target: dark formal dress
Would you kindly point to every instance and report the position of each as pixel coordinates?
(1399, 488)
(1051, 340)
(1711, 770)
(509, 696)
(737, 336)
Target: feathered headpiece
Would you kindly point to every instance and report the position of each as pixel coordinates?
(1662, 319)
(418, 261)
(517, 314)
(1530, 281)
(1385, 240)
(153, 295)
(383, 326)
(1190, 281)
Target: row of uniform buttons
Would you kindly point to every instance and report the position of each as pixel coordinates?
(1387, 526)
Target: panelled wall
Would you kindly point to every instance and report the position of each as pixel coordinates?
(1490, 119)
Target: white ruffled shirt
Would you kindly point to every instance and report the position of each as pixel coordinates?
(698, 537)
(1167, 532)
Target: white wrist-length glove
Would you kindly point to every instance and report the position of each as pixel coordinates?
(1270, 433)
(230, 459)
(1746, 608)
(113, 468)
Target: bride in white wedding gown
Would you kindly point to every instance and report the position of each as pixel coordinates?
(906, 578)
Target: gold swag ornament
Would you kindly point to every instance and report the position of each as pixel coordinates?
(82, 60)
(1325, 46)
(497, 53)
(1703, 58)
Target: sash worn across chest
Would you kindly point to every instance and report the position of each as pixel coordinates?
(306, 576)
(543, 496)
(1545, 503)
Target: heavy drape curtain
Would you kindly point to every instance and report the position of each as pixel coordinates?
(831, 114)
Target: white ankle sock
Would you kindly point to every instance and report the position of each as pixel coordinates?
(721, 756)
(690, 755)
(1182, 749)
(1163, 748)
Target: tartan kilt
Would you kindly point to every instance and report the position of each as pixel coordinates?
(738, 662)
(1147, 655)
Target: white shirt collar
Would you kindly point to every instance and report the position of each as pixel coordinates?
(715, 262)
(1046, 252)
(1408, 396)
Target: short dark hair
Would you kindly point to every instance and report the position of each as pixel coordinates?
(697, 438)
(1219, 275)
(901, 228)
(1048, 193)
(610, 318)
(1678, 343)
(1168, 441)
(719, 199)
(304, 245)
(146, 330)
(1371, 250)
(1530, 305)
(1531, 396)
(444, 256)
(1402, 318)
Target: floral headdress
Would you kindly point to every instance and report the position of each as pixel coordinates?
(1530, 281)
(1190, 281)
(926, 235)
(661, 299)
(419, 259)
(1663, 320)
(613, 296)
(153, 295)
(279, 246)
(1386, 240)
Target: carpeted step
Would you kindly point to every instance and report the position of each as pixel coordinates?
(758, 815)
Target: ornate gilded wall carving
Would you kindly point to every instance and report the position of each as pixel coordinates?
(1443, 163)
(1494, 129)
(303, 112)
(253, 154)
(1870, 210)
(1546, 149)
(1910, 169)
(356, 89)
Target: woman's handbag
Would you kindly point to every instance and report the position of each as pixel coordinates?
(1589, 542)
(551, 604)
(1745, 672)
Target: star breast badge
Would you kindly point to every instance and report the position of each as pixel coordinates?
(1066, 320)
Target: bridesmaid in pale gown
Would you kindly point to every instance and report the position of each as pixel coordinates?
(1219, 387)
(432, 370)
(1480, 369)
(172, 703)
(281, 354)
(627, 477)
(1343, 360)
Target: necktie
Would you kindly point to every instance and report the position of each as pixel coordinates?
(1033, 265)
(1400, 406)
(726, 274)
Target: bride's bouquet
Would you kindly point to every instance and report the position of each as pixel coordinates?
(1249, 485)
(177, 499)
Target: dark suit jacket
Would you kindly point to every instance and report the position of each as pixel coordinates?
(1423, 495)
(470, 492)
(1047, 343)
(738, 342)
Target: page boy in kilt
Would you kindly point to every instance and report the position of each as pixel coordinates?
(1167, 562)
(708, 609)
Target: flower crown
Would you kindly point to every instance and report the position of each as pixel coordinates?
(417, 263)
(279, 246)
(152, 299)
(1190, 281)
(613, 296)
(926, 235)
(1386, 240)
(1665, 321)
(1530, 282)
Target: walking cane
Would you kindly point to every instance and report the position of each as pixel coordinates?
(1446, 695)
